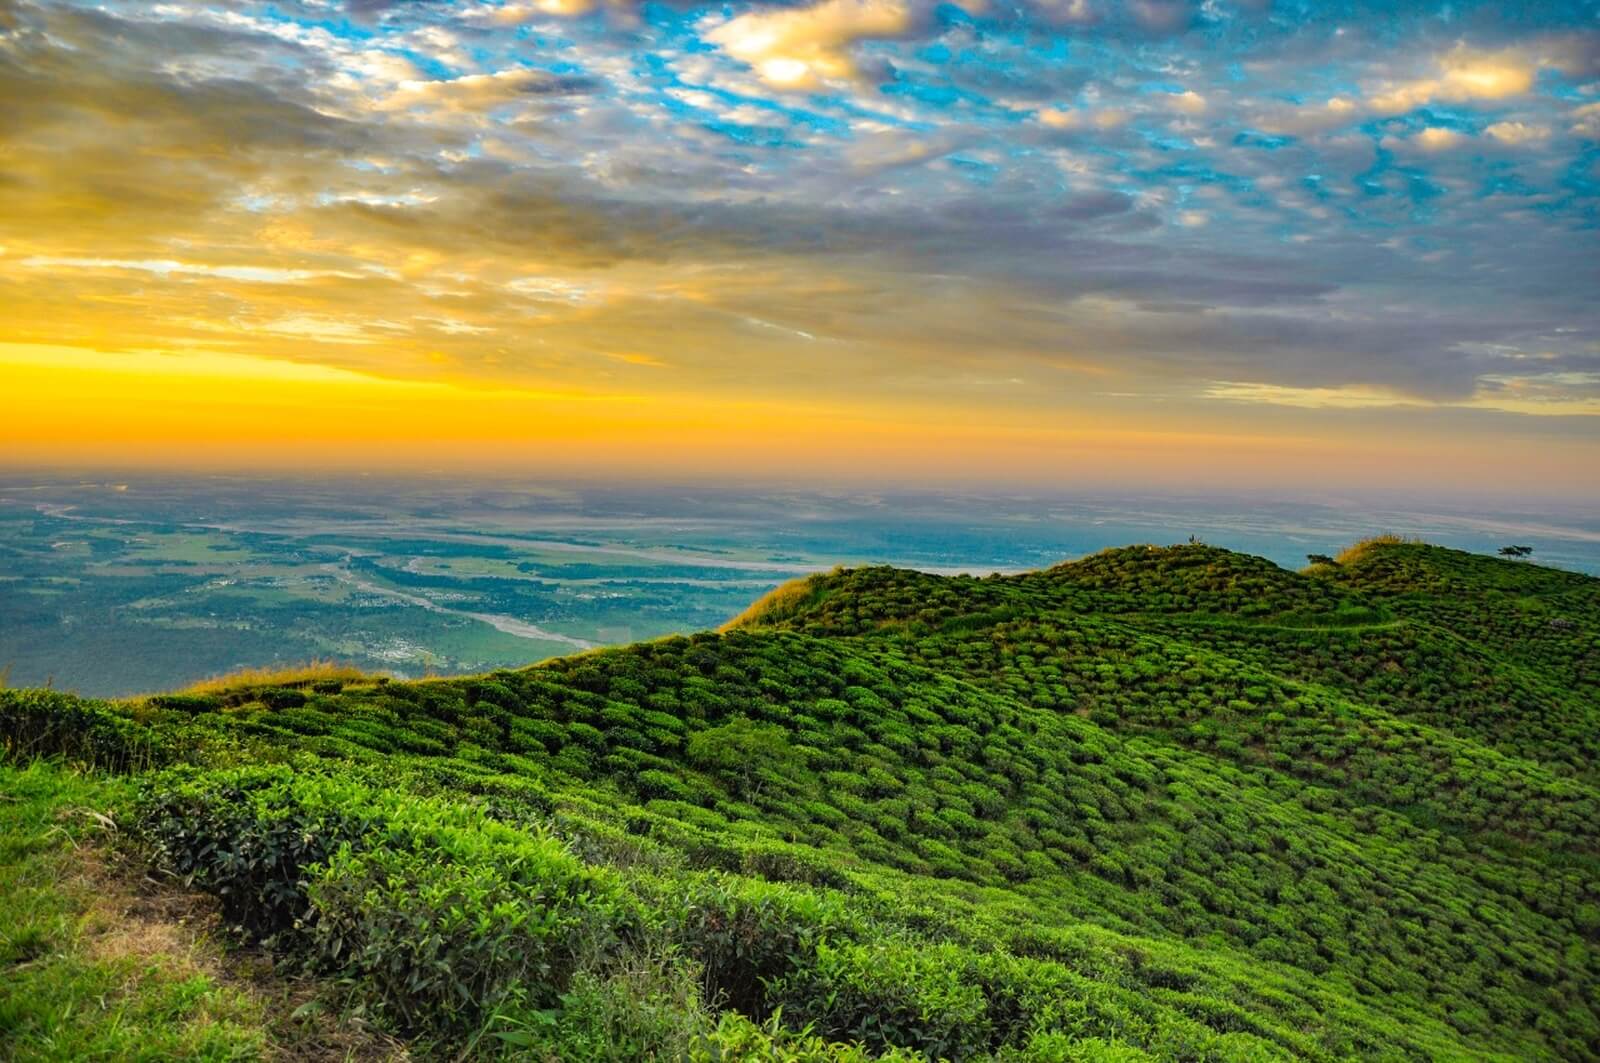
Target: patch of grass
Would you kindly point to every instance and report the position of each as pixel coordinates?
(1361, 548)
(779, 603)
(291, 675)
(99, 961)
(79, 978)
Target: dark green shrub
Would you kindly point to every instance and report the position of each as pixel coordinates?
(437, 912)
(889, 993)
(746, 933)
(781, 862)
(281, 697)
(250, 836)
(47, 723)
(654, 783)
(745, 754)
(190, 703)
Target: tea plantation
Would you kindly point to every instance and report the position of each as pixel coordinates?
(1159, 803)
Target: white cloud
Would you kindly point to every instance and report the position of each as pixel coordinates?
(1351, 397)
(524, 11)
(1069, 12)
(1586, 121)
(1307, 118)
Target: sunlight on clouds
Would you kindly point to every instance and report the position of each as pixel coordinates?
(261, 412)
(1346, 398)
(1439, 139)
(1187, 102)
(1056, 118)
(804, 47)
(523, 11)
(1586, 121)
(1464, 75)
(1517, 133)
(172, 267)
(635, 358)
(1071, 12)
(1310, 117)
(473, 93)
(1550, 396)
(554, 288)
(891, 205)
(213, 365)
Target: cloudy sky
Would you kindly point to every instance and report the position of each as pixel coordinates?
(1037, 241)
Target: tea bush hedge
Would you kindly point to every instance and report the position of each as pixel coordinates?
(1160, 803)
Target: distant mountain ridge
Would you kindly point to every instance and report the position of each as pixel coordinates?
(1160, 802)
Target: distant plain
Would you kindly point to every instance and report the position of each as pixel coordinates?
(114, 586)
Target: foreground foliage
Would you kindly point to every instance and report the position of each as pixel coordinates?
(1166, 803)
(74, 983)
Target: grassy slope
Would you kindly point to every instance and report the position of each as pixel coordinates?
(82, 981)
(1172, 802)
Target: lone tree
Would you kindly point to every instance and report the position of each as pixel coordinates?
(1321, 559)
(1515, 551)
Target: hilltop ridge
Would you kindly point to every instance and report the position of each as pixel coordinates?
(1159, 802)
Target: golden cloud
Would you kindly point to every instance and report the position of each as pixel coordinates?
(1586, 121)
(1437, 138)
(1463, 75)
(801, 48)
(1518, 133)
(1105, 118)
(478, 93)
(1187, 102)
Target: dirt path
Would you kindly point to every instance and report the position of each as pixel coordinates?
(160, 923)
(157, 934)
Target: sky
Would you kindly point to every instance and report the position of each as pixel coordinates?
(1048, 242)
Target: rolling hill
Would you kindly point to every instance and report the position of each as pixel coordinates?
(1158, 803)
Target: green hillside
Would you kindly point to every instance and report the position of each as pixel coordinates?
(1159, 803)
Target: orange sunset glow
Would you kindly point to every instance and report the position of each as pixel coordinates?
(401, 241)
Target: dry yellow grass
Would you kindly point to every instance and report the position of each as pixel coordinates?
(1358, 550)
(775, 603)
(279, 676)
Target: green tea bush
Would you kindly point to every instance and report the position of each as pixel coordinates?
(281, 697)
(890, 993)
(252, 836)
(1160, 803)
(452, 921)
(736, 1039)
(190, 703)
(45, 723)
(647, 1008)
(439, 912)
(746, 933)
